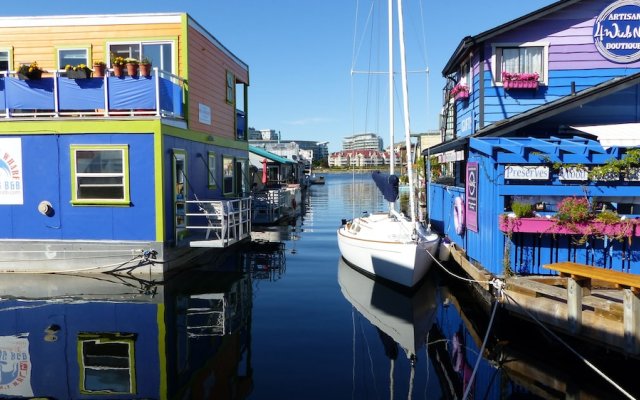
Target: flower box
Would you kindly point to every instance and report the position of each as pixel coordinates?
(460, 92)
(34, 75)
(508, 85)
(553, 226)
(79, 74)
(462, 95)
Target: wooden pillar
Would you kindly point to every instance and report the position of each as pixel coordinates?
(576, 289)
(631, 320)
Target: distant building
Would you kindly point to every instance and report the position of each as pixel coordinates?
(359, 158)
(269, 140)
(263, 134)
(363, 141)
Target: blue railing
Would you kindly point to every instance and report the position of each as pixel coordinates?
(161, 95)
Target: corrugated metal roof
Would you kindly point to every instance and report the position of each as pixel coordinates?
(270, 156)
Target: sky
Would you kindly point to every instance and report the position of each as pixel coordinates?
(301, 53)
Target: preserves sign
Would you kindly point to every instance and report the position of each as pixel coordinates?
(616, 32)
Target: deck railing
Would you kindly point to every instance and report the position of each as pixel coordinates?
(222, 221)
(161, 95)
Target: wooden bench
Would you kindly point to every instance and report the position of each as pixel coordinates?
(579, 281)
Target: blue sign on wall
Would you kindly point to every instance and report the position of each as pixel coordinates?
(616, 32)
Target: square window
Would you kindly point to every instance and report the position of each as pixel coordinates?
(107, 363)
(73, 57)
(100, 174)
(5, 64)
(520, 60)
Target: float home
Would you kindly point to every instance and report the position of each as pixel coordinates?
(126, 167)
(540, 122)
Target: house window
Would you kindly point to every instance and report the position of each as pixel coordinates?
(100, 174)
(5, 61)
(73, 57)
(230, 87)
(107, 363)
(465, 75)
(227, 175)
(521, 59)
(211, 166)
(159, 53)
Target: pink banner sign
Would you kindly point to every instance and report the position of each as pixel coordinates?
(471, 204)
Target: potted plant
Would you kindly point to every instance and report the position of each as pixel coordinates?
(118, 63)
(460, 92)
(29, 71)
(132, 66)
(519, 80)
(145, 67)
(99, 68)
(80, 71)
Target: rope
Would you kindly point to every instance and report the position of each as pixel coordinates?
(583, 359)
(470, 280)
(481, 352)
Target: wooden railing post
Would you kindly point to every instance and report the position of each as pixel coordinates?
(574, 303)
(631, 319)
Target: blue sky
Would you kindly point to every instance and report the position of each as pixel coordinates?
(300, 54)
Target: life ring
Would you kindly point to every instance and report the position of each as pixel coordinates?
(458, 215)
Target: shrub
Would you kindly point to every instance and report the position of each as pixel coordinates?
(522, 210)
(574, 209)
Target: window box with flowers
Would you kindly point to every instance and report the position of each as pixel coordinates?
(80, 71)
(460, 92)
(117, 64)
(520, 81)
(29, 71)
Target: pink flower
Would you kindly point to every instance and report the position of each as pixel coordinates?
(507, 76)
(459, 88)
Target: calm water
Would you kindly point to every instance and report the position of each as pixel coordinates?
(284, 319)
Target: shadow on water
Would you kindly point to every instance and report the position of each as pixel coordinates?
(261, 323)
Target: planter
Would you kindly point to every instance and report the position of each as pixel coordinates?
(35, 75)
(132, 69)
(145, 70)
(118, 71)
(462, 95)
(553, 226)
(510, 85)
(98, 70)
(79, 74)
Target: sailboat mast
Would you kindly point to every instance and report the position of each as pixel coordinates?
(392, 157)
(405, 106)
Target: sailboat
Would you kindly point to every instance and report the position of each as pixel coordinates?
(402, 320)
(391, 245)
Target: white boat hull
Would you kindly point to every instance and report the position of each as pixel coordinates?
(383, 247)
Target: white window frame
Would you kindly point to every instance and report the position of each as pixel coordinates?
(9, 52)
(496, 60)
(76, 200)
(466, 74)
(125, 340)
(82, 48)
(140, 43)
(212, 169)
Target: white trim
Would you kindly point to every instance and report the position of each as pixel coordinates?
(83, 20)
(545, 63)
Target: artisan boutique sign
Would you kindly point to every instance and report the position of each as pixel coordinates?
(616, 32)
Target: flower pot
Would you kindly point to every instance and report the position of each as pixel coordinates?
(98, 70)
(33, 75)
(132, 69)
(118, 70)
(145, 69)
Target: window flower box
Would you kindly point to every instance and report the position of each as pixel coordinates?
(460, 92)
(29, 72)
(520, 81)
(541, 225)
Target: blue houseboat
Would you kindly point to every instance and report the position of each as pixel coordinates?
(124, 168)
(530, 107)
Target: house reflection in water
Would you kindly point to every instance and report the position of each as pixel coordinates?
(72, 336)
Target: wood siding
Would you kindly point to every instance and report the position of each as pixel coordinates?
(40, 43)
(208, 66)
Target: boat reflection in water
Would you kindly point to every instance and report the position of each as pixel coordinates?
(400, 319)
(68, 337)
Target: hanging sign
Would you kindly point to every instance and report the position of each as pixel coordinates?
(471, 204)
(616, 32)
(573, 174)
(520, 172)
(11, 171)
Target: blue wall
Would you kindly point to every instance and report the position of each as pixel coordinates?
(46, 164)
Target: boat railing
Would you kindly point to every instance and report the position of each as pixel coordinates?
(223, 222)
(54, 95)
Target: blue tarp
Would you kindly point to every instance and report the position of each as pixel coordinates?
(132, 93)
(170, 97)
(387, 184)
(81, 94)
(29, 95)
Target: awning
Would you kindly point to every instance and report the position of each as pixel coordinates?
(621, 135)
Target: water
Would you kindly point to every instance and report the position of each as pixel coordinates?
(281, 320)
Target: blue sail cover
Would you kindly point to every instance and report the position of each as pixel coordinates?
(387, 184)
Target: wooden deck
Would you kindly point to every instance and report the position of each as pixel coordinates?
(589, 303)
